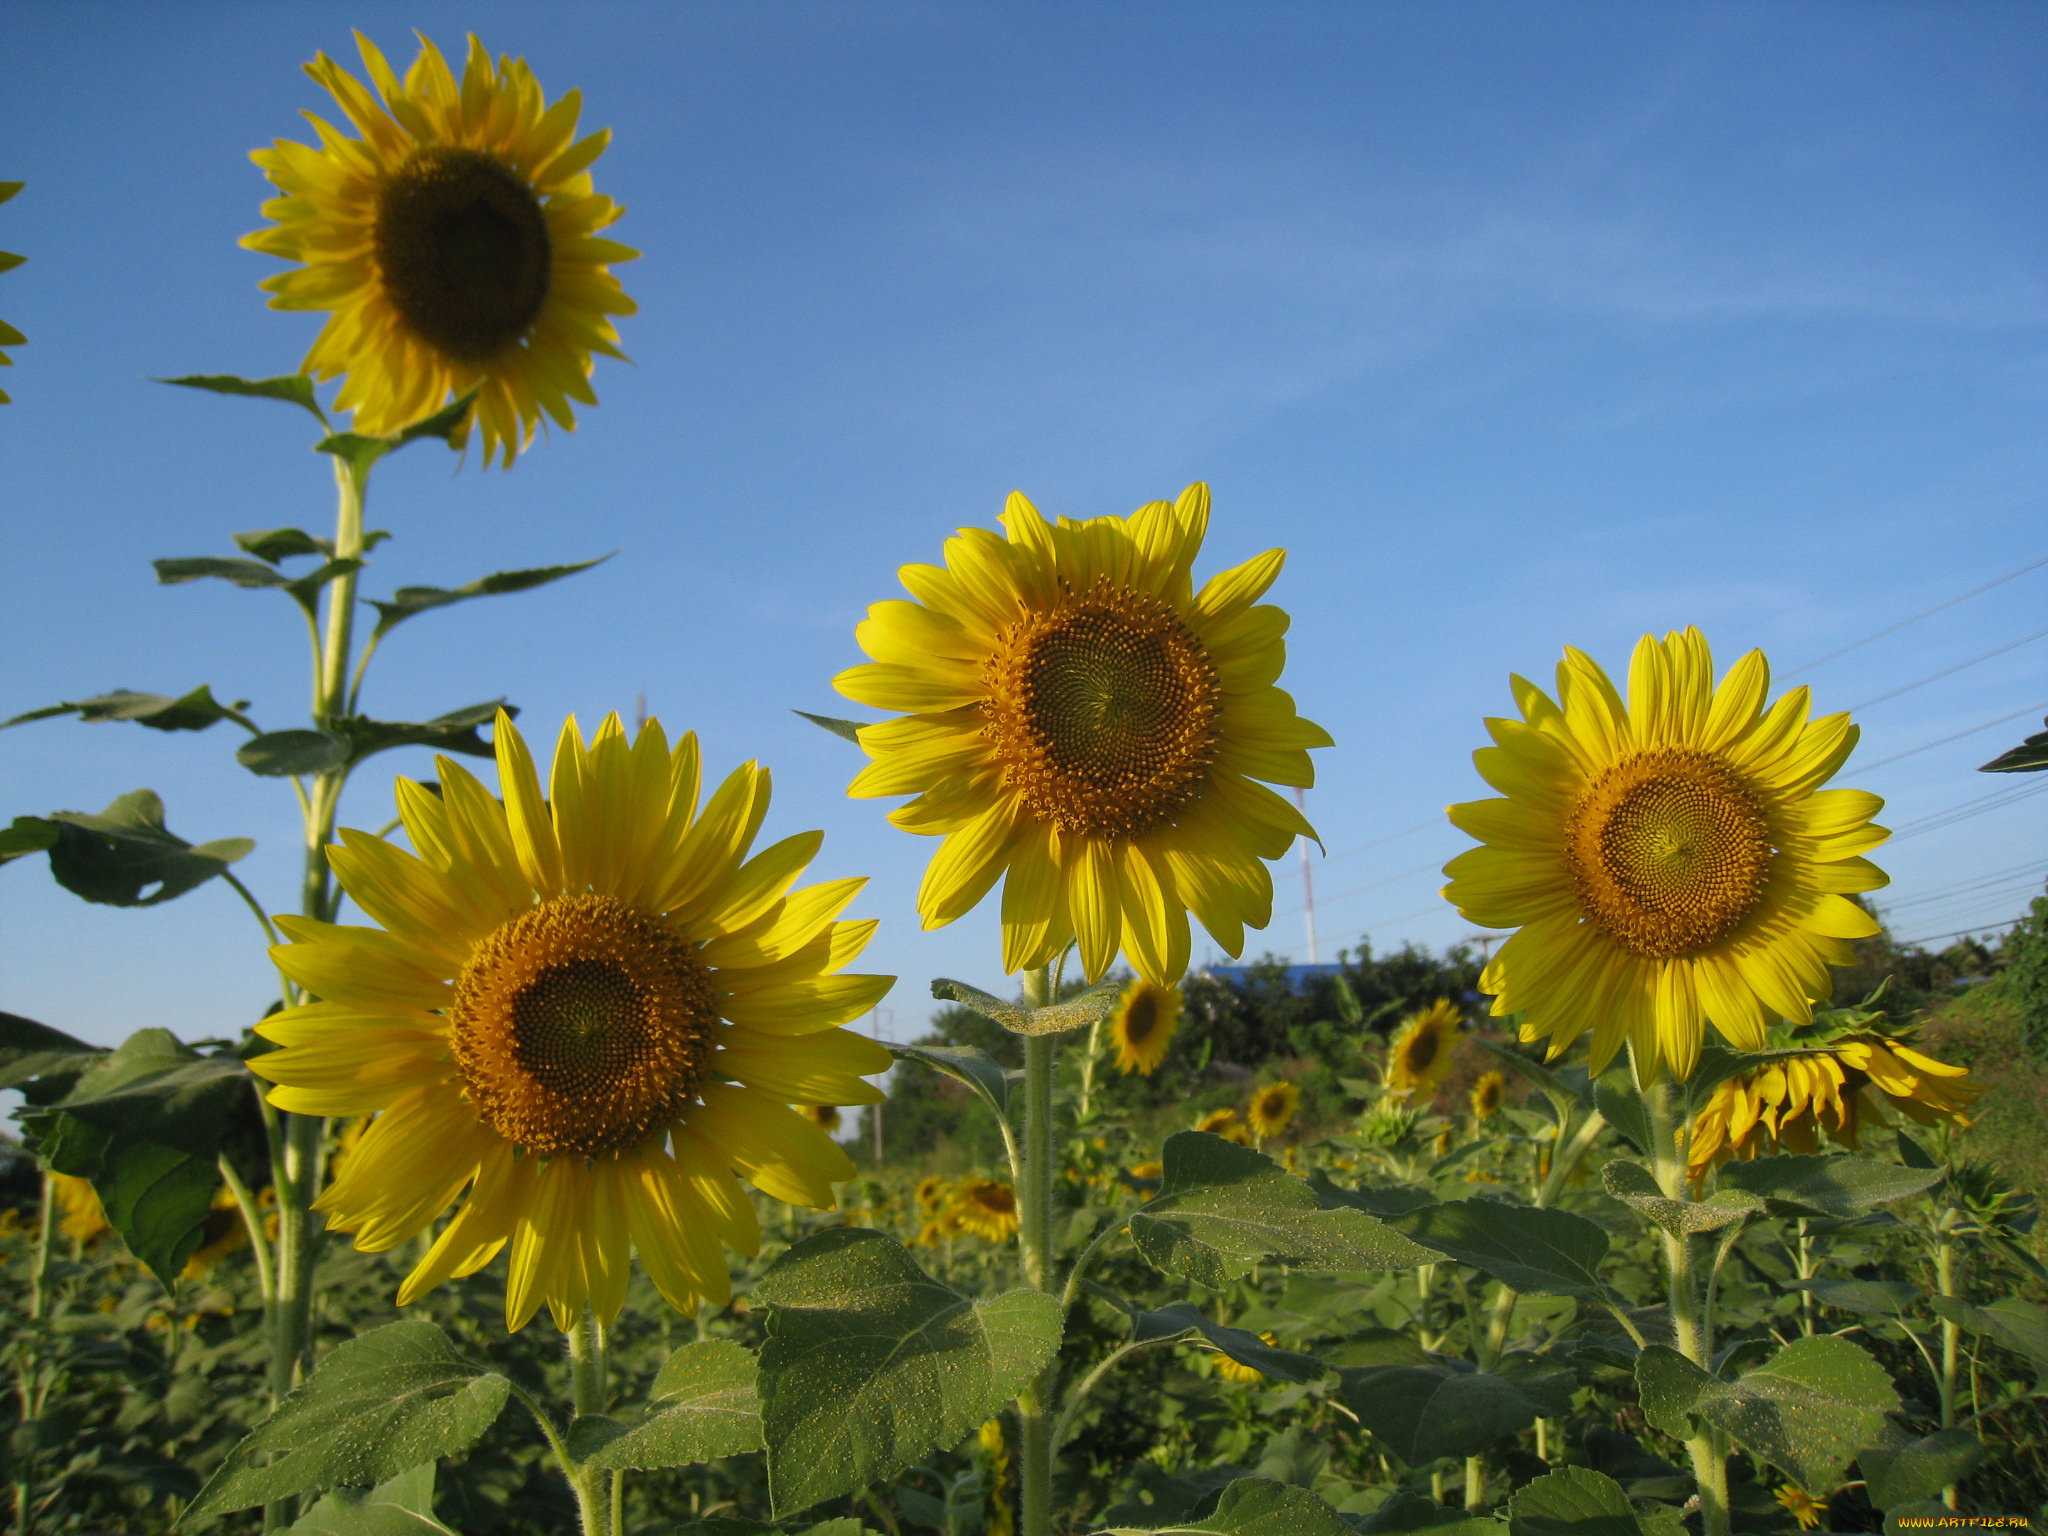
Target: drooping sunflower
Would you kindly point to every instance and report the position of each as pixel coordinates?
(931, 1194)
(588, 1009)
(1488, 1094)
(1143, 1026)
(1419, 1055)
(985, 1207)
(1666, 861)
(1795, 1100)
(454, 245)
(1243, 1375)
(9, 336)
(1271, 1109)
(1081, 720)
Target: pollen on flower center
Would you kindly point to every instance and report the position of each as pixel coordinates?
(464, 249)
(582, 1027)
(1103, 712)
(1669, 851)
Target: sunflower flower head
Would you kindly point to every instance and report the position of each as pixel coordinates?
(1083, 724)
(1488, 1094)
(1802, 1506)
(220, 1234)
(1419, 1055)
(1225, 1123)
(1143, 1026)
(931, 1193)
(454, 245)
(1243, 1375)
(1667, 861)
(1271, 1109)
(1833, 1075)
(584, 1014)
(825, 1117)
(985, 1207)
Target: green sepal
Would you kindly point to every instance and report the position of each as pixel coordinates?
(380, 1404)
(292, 388)
(870, 1364)
(360, 450)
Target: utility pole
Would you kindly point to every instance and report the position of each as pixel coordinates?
(1308, 884)
(875, 1110)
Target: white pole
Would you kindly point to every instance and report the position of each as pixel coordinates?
(1308, 885)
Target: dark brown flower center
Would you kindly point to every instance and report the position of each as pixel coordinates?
(462, 244)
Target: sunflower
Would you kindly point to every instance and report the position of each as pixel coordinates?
(986, 1208)
(1080, 718)
(931, 1194)
(1795, 1100)
(1151, 1169)
(1488, 1094)
(825, 1117)
(1243, 1375)
(1143, 1026)
(588, 1009)
(1668, 862)
(221, 1234)
(1001, 1519)
(454, 245)
(1419, 1057)
(9, 336)
(1272, 1109)
(1224, 1123)
(1802, 1506)
(83, 1218)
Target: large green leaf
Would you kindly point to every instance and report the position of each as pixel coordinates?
(1535, 1250)
(381, 1404)
(29, 1049)
(968, 1064)
(1222, 1208)
(1422, 1412)
(1254, 1506)
(1809, 1409)
(1572, 1501)
(402, 1506)
(1385, 1201)
(409, 601)
(2020, 1326)
(1869, 1298)
(1921, 1469)
(193, 711)
(125, 856)
(1634, 1185)
(1079, 1012)
(1839, 1186)
(1182, 1320)
(147, 1124)
(455, 731)
(1620, 1103)
(27, 835)
(703, 1405)
(292, 388)
(870, 1363)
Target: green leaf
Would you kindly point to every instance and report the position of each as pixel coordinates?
(194, 711)
(403, 1506)
(408, 601)
(849, 729)
(1221, 1208)
(870, 1363)
(1537, 1251)
(1403, 1511)
(380, 1404)
(1634, 1185)
(287, 754)
(1557, 1087)
(2020, 1326)
(968, 1064)
(117, 855)
(292, 388)
(1809, 1409)
(253, 574)
(275, 544)
(9, 188)
(1572, 1501)
(29, 1049)
(2030, 756)
(1088, 1008)
(702, 1406)
(1920, 1470)
(1385, 1201)
(1616, 1097)
(1423, 1412)
(455, 731)
(27, 835)
(360, 450)
(1254, 1506)
(1870, 1298)
(1809, 1185)
(1181, 1320)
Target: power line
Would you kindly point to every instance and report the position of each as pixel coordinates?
(1391, 837)
(2018, 873)
(1928, 613)
(1997, 800)
(1360, 890)
(1928, 746)
(1957, 934)
(1935, 677)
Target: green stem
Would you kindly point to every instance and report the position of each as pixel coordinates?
(1088, 1384)
(1802, 1268)
(1945, 1283)
(594, 1491)
(1035, 1402)
(1565, 1161)
(1475, 1483)
(1088, 1069)
(1072, 1290)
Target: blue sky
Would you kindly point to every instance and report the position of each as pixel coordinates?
(1519, 325)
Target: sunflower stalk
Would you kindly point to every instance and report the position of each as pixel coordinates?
(1035, 1403)
(596, 1493)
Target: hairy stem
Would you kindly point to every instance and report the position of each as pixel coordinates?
(1035, 1403)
